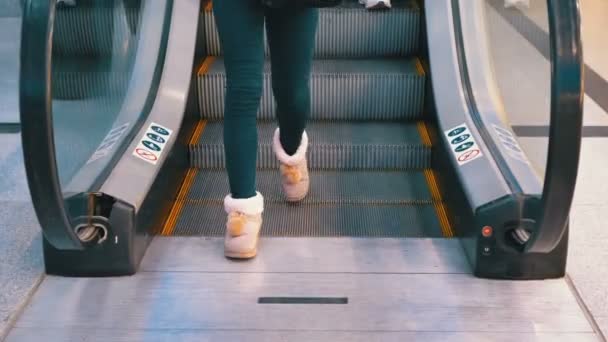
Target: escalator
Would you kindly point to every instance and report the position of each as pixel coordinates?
(418, 181)
(415, 170)
(122, 120)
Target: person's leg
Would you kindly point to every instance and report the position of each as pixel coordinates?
(240, 25)
(291, 36)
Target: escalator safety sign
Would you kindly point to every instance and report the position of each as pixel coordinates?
(463, 144)
(152, 144)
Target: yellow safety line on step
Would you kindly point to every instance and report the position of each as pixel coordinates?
(431, 180)
(442, 214)
(419, 67)
(178, 205)
(205, 65)
(424, 134)
(207, 5)
(197, 132)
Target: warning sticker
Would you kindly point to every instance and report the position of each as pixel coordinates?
(151, 145)
(462, 144)
(510, 144)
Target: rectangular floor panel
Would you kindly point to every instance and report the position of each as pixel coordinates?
(187, 335)
(375, 303)
(281, 219)
(310, 255)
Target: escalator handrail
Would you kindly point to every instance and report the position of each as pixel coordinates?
(565, 126)
(37, 125)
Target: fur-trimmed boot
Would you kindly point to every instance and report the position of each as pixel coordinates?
(294, 169)
(243, 226)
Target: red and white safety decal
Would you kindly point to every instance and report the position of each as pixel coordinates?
(152, 144)
(463, 144)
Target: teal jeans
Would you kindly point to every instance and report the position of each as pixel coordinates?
(291, 35)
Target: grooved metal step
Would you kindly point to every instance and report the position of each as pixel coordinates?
(349, 31)
(368, 89)
(326, 187)
(323, 220)
(95, 29)
(344, 145)
(70, 120)
(86, 78)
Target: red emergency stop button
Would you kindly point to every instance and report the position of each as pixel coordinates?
(486, 231)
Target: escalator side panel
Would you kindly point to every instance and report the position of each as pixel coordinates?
(480, 177)
(501, 261)
(132, 178)
(114, 257)
(140, 207)
(477, 194)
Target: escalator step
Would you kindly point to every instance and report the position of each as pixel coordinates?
(349, 31)
(95, 29)
(324, 220)
(344, 145)
(326, 187)
(370, 89)
(70, 120)
(88, 78)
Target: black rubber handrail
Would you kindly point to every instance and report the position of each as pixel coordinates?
(565, 127)
(37, 125)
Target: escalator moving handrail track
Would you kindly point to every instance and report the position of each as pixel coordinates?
(565, 128)
(37, 125)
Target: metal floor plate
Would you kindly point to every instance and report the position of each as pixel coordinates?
(222, 303)
(183, 335)
(310, 255)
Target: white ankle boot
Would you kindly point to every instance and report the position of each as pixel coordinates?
(376, 4)
(243, 226)
(294, 169)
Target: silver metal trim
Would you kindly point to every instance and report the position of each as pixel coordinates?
(310, 255)
(482, 180)
(132, 177)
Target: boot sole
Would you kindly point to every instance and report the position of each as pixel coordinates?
(244, 255)
(298, 198)
(379, 6)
